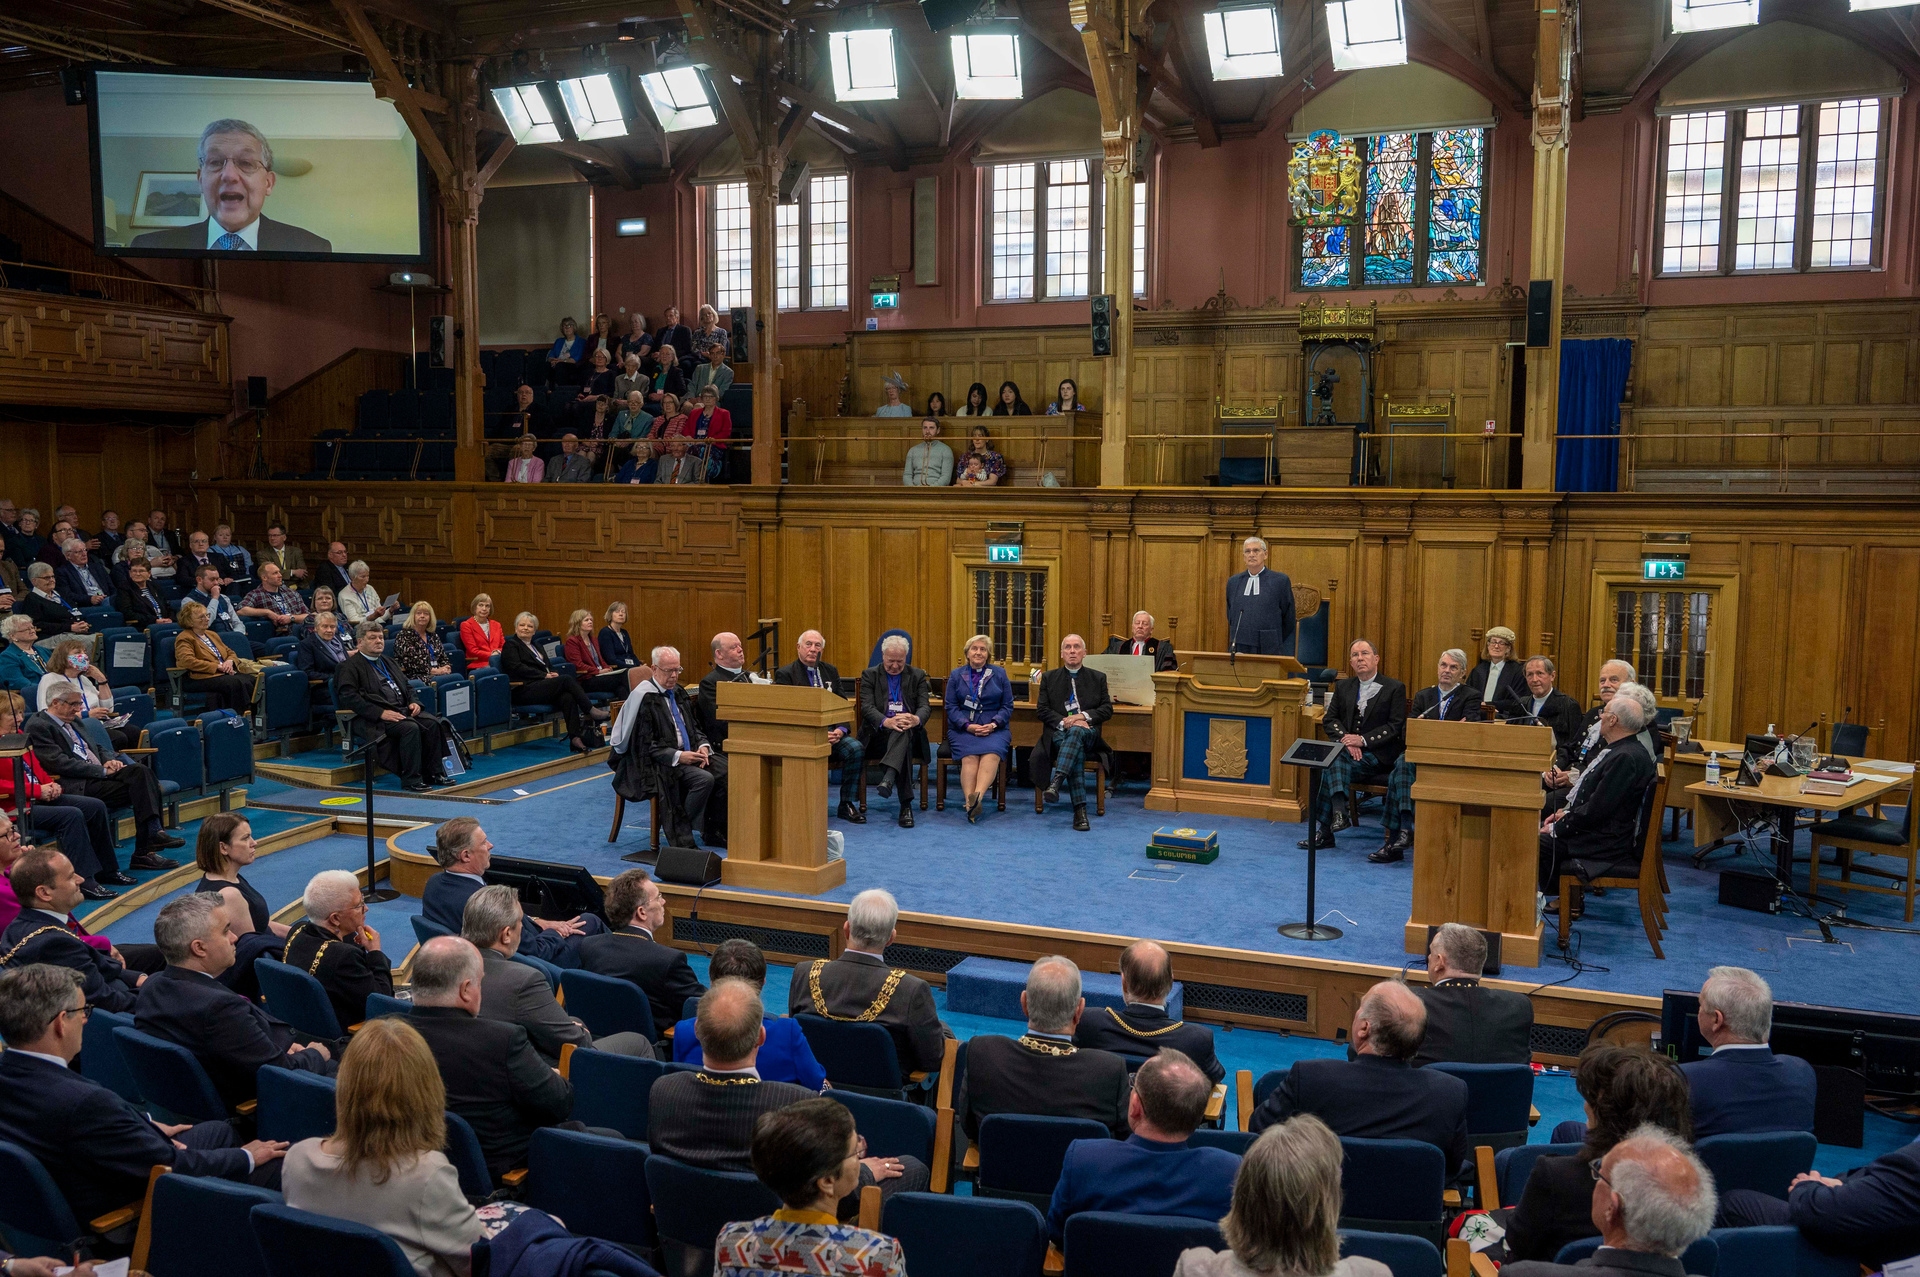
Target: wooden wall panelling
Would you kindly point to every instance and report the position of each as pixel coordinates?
(92, 467)
(817, 374)
(88, 353)
(327, 399)
(1889, 647)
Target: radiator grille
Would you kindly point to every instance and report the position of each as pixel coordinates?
(802, 944)
(916, 957)
(1233, 1001)
(1557, 1039)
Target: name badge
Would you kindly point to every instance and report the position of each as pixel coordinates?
(970, 703)
(895, 707)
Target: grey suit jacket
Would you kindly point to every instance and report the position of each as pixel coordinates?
(515, 992)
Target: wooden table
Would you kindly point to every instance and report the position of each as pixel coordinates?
(1714, 819)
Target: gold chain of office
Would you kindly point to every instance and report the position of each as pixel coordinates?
(880, 1001)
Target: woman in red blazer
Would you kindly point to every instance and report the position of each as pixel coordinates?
(712, 425)
(583, 653)
(480, 635)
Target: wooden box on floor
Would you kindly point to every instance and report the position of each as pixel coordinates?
(1476, 831)
(777, 756)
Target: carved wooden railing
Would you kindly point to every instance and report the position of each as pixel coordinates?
(45, 243)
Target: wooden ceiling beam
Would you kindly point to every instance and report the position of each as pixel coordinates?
(390, 84)
(1430, 20)
(281, 18)
(63, 44)
(1198, 76)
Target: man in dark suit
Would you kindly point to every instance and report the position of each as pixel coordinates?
(1042, 1072)
(50, 613)
(321, 649)
(45, 931)
(97, 1147)
(1368, 716)
(118, 781)
(408, 741)
(1550, 707)
(895, 702)
(1155, 1171)
(334, 944)
(186, 1004)
(679, 336)
(1468, 1023)
(1870, 1214)
(223, 609)
(333, 573)
(729, 666)
(236, 176)
(1445, 701)
(1652, 1198)
(808, 670)
(1072, 704)
(1378, 1094)
(859, 984)
(629, 952)
(138, 603)
(464, 853)
(110, 537)
(660, 752)
(78, 580)
(494, 1077)
(1597, 831)
(1743, 1087)
(1587, 744)
(1259, 605)
(1141, 642)
(1143, 1026)
(707, 1118)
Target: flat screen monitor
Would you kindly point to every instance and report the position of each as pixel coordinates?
(1883, 1046)
(207, 163)
(548, 890)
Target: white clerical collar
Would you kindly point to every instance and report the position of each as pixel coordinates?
(729, 671)
(40, 1055)
(1253, 583)
(1365, 683)
(249, 234)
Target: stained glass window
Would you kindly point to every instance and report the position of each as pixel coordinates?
(1424, 205)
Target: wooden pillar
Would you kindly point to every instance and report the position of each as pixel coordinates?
(460, 201)
(1106, 29)
(1552, 90)
(763, 182)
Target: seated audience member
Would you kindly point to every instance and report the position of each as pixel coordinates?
(1142, 1026)
(323, 602)
(200, 555)
(808, 670)
(1499, 678)
(212, 668)
(666, 378)
(708, 427)
(1468, 1023)
(570, 347)
(494, 1077)
(1743, 1087)
(1141, 642)
(1614, 675)
(1870, 1214)
(284, 555)
(808, 1153)
(118, 781)
(708, 336)
(517, 993)
(573, 465)
(639, 338)
(464, 853)
(110, 537)
(97, 1147)
(1042, 1071)
(1368, 716)
(1285, 1216)
(524, 467)
(23, 542)
(1596, 832)
(601, 339)
(10, 587)
(383, 1165)
(1445, 701)
(418, 647)
(677, 463)
(1011, 403)
(980, 466)
(47, 888)
(632, 426)
(614, 640)
(274, 600)
(629, 952)
(133, 550)
(1066, 399)
(43, 605)
(712, 371)
(481, 637)
(893, 396)
(894, 706)
(1155, 1171)
(409, 742)
(225, 847)
(322, 647)
(77, 580)
(929, 463)
(859, 982)
(708, 1118)
(222, 612)
(1624, 1089)
(536, 682)
(597, 383)
(1378, 1094)
(1652, 1198)
(583, 653)
(187, 1004)
(73, 820)
(21, 667)
(1550, 707)
(360, 602)
(673, 333)
(239, 574)
(630, 380)
(334, 944)
(1072, 704)
(68, 665)
(979, 714)
(659, 751)
(785, 1055)
(333, 573)
(169, 548)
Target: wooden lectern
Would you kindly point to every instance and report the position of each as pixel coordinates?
(1218, 728)
(1476, 831)
(777, 755)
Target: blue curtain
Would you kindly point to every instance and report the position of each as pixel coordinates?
(1593, 377)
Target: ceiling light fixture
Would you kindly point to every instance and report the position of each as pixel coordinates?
(1714, 15)
(596, 106)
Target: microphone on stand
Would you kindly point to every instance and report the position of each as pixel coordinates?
(1233, 643)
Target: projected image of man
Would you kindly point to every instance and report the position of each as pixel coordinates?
(236, 176)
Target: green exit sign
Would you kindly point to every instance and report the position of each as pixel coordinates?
(1663, 569)
(1003, 554)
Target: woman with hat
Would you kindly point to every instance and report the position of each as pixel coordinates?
(895, 389)
(1500, 679)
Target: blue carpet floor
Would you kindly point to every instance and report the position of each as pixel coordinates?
(510, 758)
(263, 822)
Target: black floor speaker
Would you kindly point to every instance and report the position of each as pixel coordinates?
(689, 866)
(1743, 890)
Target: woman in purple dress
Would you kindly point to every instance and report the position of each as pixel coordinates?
(979, 710)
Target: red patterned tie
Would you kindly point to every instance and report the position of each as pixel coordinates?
(73, 925)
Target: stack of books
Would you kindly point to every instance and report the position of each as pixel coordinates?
(1190, 846)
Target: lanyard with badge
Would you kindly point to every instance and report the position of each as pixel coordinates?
(894, 704)
(1073, 692)
(974, 680)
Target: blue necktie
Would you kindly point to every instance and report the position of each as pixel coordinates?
(673, 708)
(232, 243)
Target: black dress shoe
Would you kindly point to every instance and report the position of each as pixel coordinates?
(164, 841)
(1339, 821)
(1394, 849)
(973, 813)
(852, 814)
(1052, 792)
(117, 879)
(148, 861)
(415, 786)
(1080, 821)
(94, 891)
(906, 815)
(1320, 842)
(885, 789)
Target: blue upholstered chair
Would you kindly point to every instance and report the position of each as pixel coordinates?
(379, 1004)
(1512, 1166)
(951, 1236)
(298, 998)
(294, 1106)
(1778, 1250)
(33, 1211)
(892, 1128)
(190, 1213)
(691, 1206)
(100, 1059)
(1405, 1256)
(607, 1005)
(1021, 1155)
(1108, 1244)
(596, 1183)
(1499, 1101)
(298, 1243)
(170, 1076)
(1702, 1259)
(1235, 1142)
(1765, 1162)
(468, 1158)
(611, 1090)
(1393, 1186)
(425, 928)
(861, 1057)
